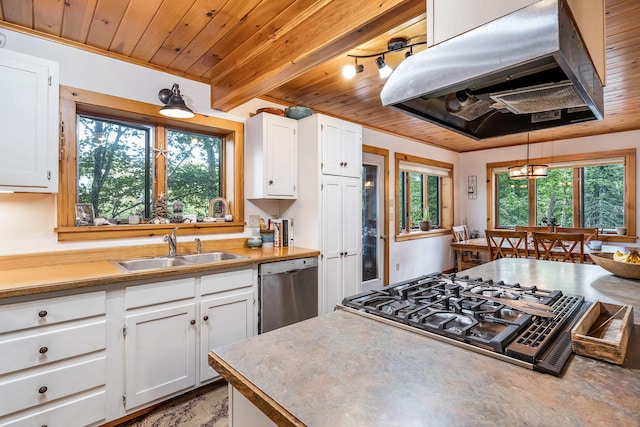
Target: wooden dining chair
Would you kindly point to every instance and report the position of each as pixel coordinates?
(467, 259)
(589, 233)
(507, 244)
(568, 247)
(530, 230)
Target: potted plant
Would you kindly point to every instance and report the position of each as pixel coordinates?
(425, 224)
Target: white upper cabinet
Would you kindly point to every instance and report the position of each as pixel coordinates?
(271, 151)
(29, 123)
(341, 147)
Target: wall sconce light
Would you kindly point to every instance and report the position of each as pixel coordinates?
(174, 104)
(472, 187)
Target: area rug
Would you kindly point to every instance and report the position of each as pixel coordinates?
(209, 409)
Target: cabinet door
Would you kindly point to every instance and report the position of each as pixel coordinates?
(351, 236)
(28, 123)
(225, 319)
(160, 352)
(351, 138)
(332, 156)
(281, 152)
(332, 247)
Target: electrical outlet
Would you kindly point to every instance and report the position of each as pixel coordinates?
(254, 221)
(398, 266)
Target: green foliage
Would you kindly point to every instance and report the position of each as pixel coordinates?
(194, 172)
(601, 204)
(111, 166)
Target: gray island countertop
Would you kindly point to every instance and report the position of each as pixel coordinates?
(342, 369)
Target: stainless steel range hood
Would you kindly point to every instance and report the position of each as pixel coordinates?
(526, 71)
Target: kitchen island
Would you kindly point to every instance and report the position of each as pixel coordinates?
(342, 369)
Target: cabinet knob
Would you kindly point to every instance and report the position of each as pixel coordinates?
(341, 163)
(345, 164)
(206, 318)
(43, 350)
(193, 322)
(42, 313)
(42, 389)
(270, 182)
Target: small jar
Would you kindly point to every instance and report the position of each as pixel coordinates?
(267, 238)
(254, 242)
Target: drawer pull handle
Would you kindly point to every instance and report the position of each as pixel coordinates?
(43, 313)
(206, 318)
(43, 350)
(193, 322)
(42, 389)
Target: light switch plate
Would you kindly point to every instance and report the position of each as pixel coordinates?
(254, 221)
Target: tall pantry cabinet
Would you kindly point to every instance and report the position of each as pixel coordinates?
(329, 208)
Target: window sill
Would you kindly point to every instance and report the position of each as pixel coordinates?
(422, 234)
(102, 232)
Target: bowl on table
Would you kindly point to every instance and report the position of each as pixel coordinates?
(605, 260)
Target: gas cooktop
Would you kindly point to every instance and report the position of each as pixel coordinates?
(526, 326)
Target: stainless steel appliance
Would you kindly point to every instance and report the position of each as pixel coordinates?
(471, 313)
(526, 71)
(288, 292)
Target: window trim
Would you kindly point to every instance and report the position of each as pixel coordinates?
(447, 198)
(73, 101)
(629, 156)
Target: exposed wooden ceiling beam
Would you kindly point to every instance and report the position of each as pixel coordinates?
(335, 29)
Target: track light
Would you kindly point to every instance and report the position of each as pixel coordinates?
(174, 104)
(349, 71)
(384, 70)
(396, 44)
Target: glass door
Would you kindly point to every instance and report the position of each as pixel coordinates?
(372, 222)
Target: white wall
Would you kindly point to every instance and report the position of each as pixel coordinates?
(474, 163)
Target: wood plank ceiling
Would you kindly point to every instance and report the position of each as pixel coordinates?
(292, 52)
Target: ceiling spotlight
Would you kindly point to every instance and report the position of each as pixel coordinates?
(174, 104)
(349, 71)
(384, 70)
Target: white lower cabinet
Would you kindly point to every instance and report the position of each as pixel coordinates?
(53, 361)
(160, 353)
(88, 358)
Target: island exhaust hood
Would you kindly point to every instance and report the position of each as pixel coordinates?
(526, 71)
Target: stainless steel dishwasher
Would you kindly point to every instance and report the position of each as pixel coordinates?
(288, 292)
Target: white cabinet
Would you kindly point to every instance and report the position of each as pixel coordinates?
(271, 144)
(160, 340)
(171, 327)
(329, 207)
(29, 123)
(53, 361)
(226, 313)
(341, 147)
(341, 240)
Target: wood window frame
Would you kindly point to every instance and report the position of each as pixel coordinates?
(630, 188)
(74, 101)
(447, 198)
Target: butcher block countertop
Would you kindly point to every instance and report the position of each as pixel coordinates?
(38, 278)
(342, 369)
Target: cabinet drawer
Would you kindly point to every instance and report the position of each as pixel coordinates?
(50, 346)
(227, 280)
(80, 412)
(46, 386)
(157, 293)
(14, 317)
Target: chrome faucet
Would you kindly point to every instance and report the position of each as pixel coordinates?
(198, 245)
(173, 242)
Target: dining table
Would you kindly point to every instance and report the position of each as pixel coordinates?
(479, 244)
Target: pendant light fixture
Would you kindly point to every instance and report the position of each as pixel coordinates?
(528, 171)
(174, 104)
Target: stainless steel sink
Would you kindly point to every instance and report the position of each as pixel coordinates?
(166, 262)
(150, 263)
(210, 257)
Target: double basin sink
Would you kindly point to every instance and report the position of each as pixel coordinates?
(176, 261)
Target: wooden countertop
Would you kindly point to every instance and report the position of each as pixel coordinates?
(49, 278)
(342, 369)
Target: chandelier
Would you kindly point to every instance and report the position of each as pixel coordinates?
(528, 170)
